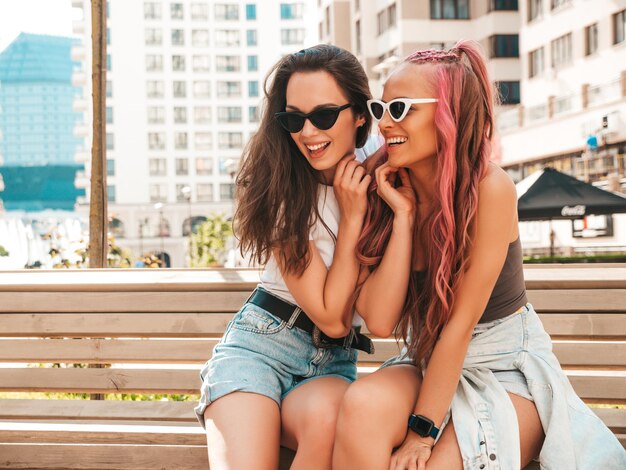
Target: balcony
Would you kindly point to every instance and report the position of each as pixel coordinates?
(80, 105)
(81, 130)
(78, 27)
(78, 53)
(79, 79)
(82, 156)
(81, 180)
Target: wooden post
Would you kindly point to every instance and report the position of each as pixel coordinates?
(98, 219)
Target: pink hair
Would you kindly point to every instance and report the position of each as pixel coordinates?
(464, 122)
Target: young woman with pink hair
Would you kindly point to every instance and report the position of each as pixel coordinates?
(477, 385)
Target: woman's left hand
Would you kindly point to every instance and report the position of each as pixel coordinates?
(412, 454)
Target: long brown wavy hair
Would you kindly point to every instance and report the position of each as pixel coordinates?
(276, 188)
(464, 122)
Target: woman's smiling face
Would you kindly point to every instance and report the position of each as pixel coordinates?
(414, 138)
(310, 91)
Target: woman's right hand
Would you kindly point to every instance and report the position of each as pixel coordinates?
(402, 199)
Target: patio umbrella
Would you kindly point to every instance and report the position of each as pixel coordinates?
(549, 194)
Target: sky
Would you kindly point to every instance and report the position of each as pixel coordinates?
(35, 16)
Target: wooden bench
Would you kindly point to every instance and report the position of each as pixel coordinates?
(155, 328)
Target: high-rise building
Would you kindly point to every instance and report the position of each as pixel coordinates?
(37, 122)
(573, 91)
(184, 89)
(382, 32)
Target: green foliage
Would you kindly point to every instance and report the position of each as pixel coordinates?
(3, 251)
(208, 244)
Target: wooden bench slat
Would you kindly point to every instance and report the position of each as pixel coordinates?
(98, 410)
(584, 324)
(113, 325)
(588, 384)
(67, 302)
(578, 300)
(107, 351)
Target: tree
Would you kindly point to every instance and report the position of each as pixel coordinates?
(208, 244)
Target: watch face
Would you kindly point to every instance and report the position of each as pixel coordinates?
(422, 426)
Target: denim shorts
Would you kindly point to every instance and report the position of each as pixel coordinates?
(260, 353)
(513, 381)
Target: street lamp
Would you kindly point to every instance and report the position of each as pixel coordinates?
(159, 207)
(186, 192)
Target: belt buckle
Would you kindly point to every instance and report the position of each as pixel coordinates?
(318, 341)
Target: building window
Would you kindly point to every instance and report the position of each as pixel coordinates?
(250, 11)
(151, 10)
(109, 89)
(291, 36)
(357, 29)
(253, 114)
(176, 11)
(182, 166)
(227, 38)
(230, 140)
(392, 16)
(110, 167)
(503, 5)
(381, 20)
(157, 166)
(253, 63)
(108, 62)
(509, 92)
(154, 63)
(202, 115)
(201, 63)
(227, 63)
(535, 9)
(558, 3)
(204, 192)
(226, 12)
(200, 37)
(253, 89)
(327, 19)
(449, 9)
(251, 37)
(178, 63)
(109, 115)
(591, 39)
(203, 141)
(619, 27)
(204, 166)
(178, 37)
(153, 37)
(505, 45)
(536, 62)
(199, 11)
(156, 140)
(561, 49)
(180, 140)
(180, 115)
(180, 89)
(291, 11)
(111, 196)
(158, 193)
(109, 141)
(227, 191)
(154, 89)
(202, 89)
(156, 115)
(229, 114)
(228, 89)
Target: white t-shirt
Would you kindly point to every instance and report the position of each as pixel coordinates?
(271, 278)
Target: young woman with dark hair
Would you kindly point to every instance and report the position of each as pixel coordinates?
(477, 385)
(289, 354)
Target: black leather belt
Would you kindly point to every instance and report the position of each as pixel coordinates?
(284, 310)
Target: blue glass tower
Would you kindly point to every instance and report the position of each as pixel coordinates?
(37, 141)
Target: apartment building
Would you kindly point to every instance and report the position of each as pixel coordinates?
(184, 88)
(381, 32)
(573, 110)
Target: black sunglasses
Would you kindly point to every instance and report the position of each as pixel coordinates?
(323, 118)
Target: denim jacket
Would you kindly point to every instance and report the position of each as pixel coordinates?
(575, 438)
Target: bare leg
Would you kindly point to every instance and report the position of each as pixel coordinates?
(243, 431)
(446, 454)
(373, 418)
(309, 417)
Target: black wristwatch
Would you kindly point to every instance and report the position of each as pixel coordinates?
(423, 426)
